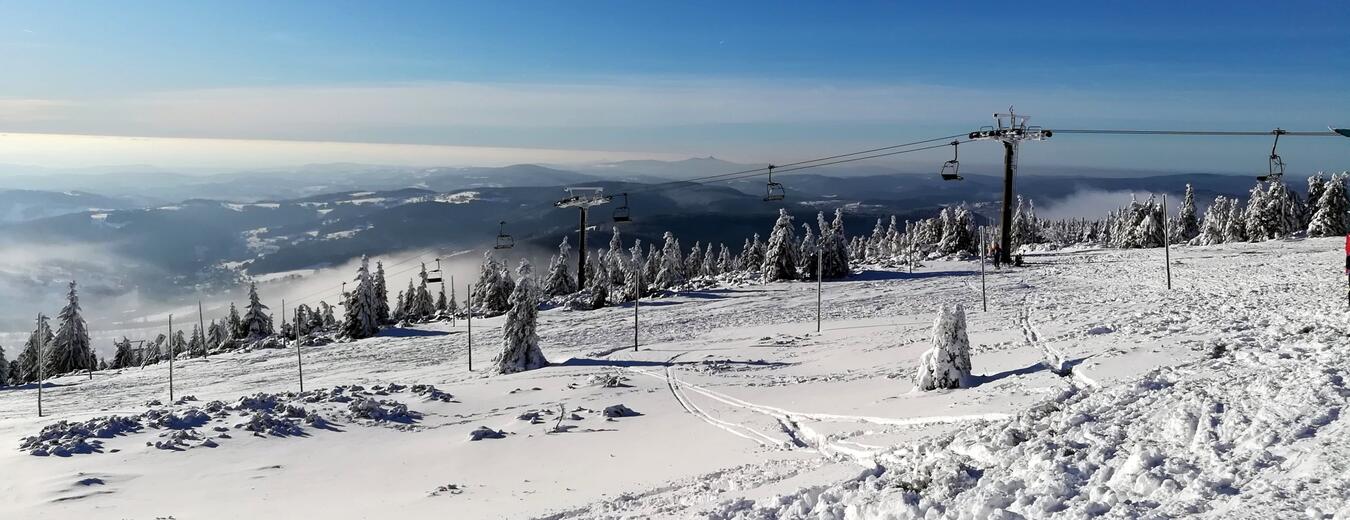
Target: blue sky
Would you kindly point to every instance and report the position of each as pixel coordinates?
(748, 81)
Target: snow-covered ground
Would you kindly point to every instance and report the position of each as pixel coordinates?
(1220, 398)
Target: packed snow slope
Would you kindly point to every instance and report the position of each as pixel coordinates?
(1097, 391)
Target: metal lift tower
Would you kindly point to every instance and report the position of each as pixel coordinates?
(583, 198)
(1011, 130)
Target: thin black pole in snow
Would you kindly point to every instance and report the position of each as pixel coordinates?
(299, 361)
(819, 256)
(170, 359)
(637, 295)
(42, 338)
(469, 313)
(201, 322)
(1167, 244)
(984, 295)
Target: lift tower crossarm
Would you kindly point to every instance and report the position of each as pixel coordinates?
(1011, 130)
(583, 198)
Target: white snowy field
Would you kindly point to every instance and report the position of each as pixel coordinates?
(1219, 398)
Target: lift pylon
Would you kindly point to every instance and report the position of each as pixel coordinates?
(583, 198)
(1011, 129)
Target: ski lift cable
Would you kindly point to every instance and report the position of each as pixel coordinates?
(1197, 132)
(780, 167)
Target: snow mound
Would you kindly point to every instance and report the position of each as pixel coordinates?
(65, 438)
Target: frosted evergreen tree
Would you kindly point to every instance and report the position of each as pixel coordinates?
(1236, 228)
(635, 285)
(876, 243)
(709, 264)
(725, 264)
(70, 349)
(401, 305)
(326, 311)
(892, 245)
(520, 340)
(451, 304)
(560, 280)
(693, 264)
(4, 368)
(599, 270)
(947, 363)
(958, 235)
(216, 336)
(236, 324)
(1259, 222)
(834, 246)
(257, 322)
(651, 264)
(1284, 209)
(196, 343)
(746, 252)
(361, 320)
(177, 344)
(601, 287)
(39, 339)
(492, 291)
(617, 258)
(1187, 227)
(671, 273)
(807, 253)
(124, 355)
(441, 304)
(1212, 229)
(1020, 227)
(423, 306)
(779, 258)
(1316, 184)
(1330, 217)
(382, 312)
(304, 317)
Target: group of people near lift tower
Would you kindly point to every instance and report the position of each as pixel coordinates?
(996, 251)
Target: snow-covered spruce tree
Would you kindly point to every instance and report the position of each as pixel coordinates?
(70, 349)
(257, 323)
(520, 342)
(177, 344)
(1211, 230)
(382, 311)
(4, 368)
(693, 264)
(123, 354)
(652, 265)
(947, 363)
(725, 264)
(424, 306)
(671, 273)
(216, 336)
(326, 313)
(807, 254)
(779, 258)
(492, 291)
(401, 305)
(1235, 229)
(957, 236)
(1186, 227)
(1316, 184)
(451, 303)
(834, 246)
(754, 255)
(873, 252)
(1257, 220)
(600, 287)
(236, 324)
(442, 306)
(617, 257)
(361, 320)
(635, 285)
(28, 358)
(709, 264)
(560, 280)
(1330, 218)
(196, 343)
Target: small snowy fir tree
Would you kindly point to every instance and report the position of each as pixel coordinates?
(196, 343)
(70, 349)
(693, 264)
(29, 360)
(520, 342)
(947, 363)
(1211, 230)
(492, 292)
(4, 368)
(780, 259)
(635, 285)
(1235, 229)
(236, 324)
(808, 254)
(401, 305)
(725, 264)
(672, 264)
(423, 307)
(834, 246)
(326, 311)
(257, 322)
(600, 287)
(560, 280)
(617, 258)
(361, 321)
(709, 266)
(1186, 227)
(451, 304)
(382, 311)
(1331, 216)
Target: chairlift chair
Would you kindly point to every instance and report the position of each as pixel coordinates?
(621, 212)
(1276, 166)
(774, 191)
(951, 170)
(504, 241)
